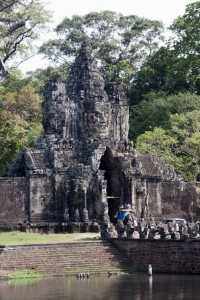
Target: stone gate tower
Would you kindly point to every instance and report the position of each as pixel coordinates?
(85, 166)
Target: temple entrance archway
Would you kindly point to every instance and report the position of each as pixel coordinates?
(115, 181)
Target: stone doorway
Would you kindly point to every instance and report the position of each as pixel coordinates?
(115, 182)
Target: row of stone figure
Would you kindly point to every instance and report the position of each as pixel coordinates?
(185, 231)
(76, 216)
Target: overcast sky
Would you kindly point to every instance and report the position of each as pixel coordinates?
(163, 10)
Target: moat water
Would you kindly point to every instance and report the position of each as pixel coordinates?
(127, 287)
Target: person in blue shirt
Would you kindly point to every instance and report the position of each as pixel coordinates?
(121, 215)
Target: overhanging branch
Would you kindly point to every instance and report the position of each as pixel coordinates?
(3, 71)
(16, 26)
(6, 6)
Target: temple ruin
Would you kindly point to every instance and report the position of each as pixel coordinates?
(85, 166)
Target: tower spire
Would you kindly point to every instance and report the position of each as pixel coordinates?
(85, 80)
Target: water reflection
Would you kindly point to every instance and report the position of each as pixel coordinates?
(150, 287)
(128, 287)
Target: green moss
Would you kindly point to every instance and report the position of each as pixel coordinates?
(25, 274)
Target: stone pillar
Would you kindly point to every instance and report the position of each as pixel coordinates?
(133, 196)
(85, 197)
(103, 191)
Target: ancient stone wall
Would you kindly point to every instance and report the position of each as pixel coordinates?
(155, 196)
(180, 199)
(13, 201)
(42, 206)
(165, 256)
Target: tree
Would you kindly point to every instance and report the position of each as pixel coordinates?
(179, 144)
(120, 42)
(151, 77)
(166, 72)
(21, 21)
(186, 43)
(159, 143)
(156, 109)
(20, 118)
(175, 67)
(50, 73)
(186, 29)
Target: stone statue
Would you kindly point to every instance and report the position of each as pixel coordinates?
(106, 218)
(77, 215)
(66, 215)
(85, 215)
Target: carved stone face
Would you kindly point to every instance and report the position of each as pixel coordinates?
(96, 120)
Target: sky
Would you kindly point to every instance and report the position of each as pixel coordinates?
(162, 10)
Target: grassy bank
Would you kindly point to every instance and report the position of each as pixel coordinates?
(17, 237)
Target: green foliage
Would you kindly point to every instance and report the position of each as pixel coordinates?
(20, 118)
(151, 76)
(120, 42)
(156, 109)
(166, 72)
(175, 67)
(21, 22)
(179, 144)
(25, 274)
(187, 31)
(186, 47)
(51, 73)
(157, 142)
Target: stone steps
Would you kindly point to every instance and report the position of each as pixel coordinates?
(65, 259)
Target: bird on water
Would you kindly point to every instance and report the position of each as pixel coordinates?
(150, 270)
